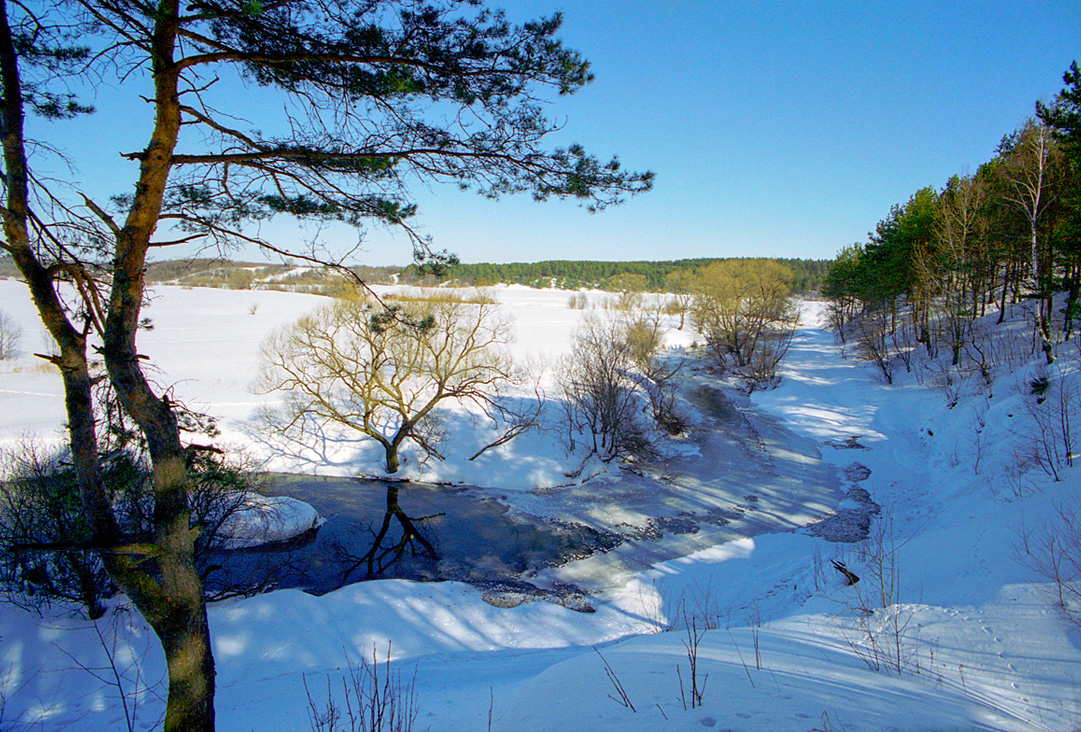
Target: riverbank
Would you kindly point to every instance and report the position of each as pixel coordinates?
(784, 641)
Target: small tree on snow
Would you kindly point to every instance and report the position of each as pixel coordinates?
(10, 336)
(745, 311)
(383, 372)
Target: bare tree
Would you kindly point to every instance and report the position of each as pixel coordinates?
(10, 336)
(679, 284)
(956, 261)
(382, 373)
(876, 339)
(1031, 165)
(598, 394)
(610, 378)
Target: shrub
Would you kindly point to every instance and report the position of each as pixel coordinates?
(46, 554)
(41, 525)
(578, 301)
(610, 379)
(10, 336)
(746, 313)
(1054, 552)
(372, 700)
(1053, 402)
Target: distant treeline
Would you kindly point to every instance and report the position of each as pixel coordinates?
(572, 275)
(215, 272)
(808, 274)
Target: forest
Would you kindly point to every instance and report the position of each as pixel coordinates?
(807, 274)
(1008, 233)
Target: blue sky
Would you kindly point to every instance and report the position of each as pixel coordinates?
(775, 128)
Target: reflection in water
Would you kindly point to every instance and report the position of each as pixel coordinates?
(383, 552)
(382, 530)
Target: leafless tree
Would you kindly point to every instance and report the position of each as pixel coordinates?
(383, 372)
(10, 336)
(745, 311)
(610, 378)
(1031, 165)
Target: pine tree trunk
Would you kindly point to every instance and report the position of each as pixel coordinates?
(175, 609)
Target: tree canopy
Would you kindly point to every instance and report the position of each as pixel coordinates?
(360, 366)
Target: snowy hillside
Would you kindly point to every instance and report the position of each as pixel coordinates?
(951, 625)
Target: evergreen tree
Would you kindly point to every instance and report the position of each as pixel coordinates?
(378, 93)
(1063, 118)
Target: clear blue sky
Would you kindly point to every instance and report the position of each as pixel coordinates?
(775, 128)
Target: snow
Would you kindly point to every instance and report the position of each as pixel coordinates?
(260, 520)
(983, 646)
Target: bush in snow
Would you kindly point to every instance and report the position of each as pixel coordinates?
(1054, 552)
(1053, 403)
(746, 312)
(885, 636)
(43, 535)
(10, 336)
(610, 380)
(374, 698)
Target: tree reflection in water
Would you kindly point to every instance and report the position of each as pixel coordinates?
(383, 552)
(435, 533)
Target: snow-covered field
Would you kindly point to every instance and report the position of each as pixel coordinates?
(978, 639)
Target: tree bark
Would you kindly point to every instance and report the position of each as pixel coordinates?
(178, 612)
(175, 608)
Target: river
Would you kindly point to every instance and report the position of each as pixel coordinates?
(433, 533)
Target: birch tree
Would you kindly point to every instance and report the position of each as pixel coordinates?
(1030, 165)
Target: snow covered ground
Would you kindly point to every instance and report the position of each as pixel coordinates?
(979, 643)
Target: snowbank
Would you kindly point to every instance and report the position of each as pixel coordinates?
(268, 519)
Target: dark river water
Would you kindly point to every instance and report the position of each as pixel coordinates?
(434, 533)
